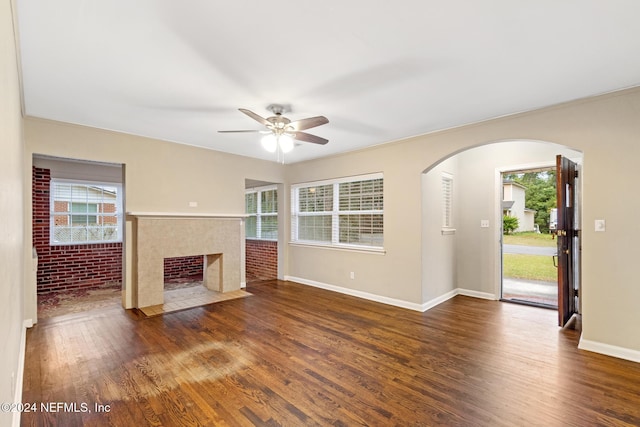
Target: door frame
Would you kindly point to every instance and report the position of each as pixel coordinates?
(498, 212)
(551, 163)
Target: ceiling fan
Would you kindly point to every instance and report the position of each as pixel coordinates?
(281, 131)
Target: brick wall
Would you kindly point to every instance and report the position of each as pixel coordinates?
(261, 260)
(184, 268)
(69, 266)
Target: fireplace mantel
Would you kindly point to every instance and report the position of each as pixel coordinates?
(159, 235)
(184, 215)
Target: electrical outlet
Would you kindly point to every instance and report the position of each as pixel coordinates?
(193, 204)
(484, 223)
(352, 275)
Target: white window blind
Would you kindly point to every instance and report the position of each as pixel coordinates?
(447, 200)
(343, 212)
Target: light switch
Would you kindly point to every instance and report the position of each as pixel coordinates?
(484, 223)
(600, 225)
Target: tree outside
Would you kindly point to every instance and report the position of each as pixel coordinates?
(540, 194)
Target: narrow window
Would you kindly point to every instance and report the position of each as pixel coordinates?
(447, 201)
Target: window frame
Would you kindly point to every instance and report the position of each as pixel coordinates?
(335, 213)
(69, 214)
(259, 215)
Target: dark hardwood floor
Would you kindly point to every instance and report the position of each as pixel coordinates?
(294, 355)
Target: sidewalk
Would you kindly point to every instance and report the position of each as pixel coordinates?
(530, 290)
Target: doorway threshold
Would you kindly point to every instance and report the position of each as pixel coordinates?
(529, 303)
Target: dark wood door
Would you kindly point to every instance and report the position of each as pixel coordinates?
(568, 235)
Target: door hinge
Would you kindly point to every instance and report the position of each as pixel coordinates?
(575, 174)
(576, 293)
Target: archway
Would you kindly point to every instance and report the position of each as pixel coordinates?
(464, 257)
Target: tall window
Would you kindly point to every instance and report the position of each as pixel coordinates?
(447, 200)
(342, 212)
(85, 212)
(262, 206)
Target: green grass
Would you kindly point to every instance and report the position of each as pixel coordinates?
(529, 239)
(529, 267)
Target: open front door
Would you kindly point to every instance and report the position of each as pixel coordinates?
(568, 239)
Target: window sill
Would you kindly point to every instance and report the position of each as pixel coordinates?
(85, 243)
(448, 231)
(348, 248)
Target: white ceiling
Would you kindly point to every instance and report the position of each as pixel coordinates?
(378, 70)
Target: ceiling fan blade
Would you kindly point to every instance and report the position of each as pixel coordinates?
(255, 117)
(307, 137)
(309, 123)
(239, 131)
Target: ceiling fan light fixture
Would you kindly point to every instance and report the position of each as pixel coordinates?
(286, 143)
(281, 132)
(270, 143)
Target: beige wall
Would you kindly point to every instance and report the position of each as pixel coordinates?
(12, 269)
(606, 129)
(374, 273)
(439, 263)
(160, 176)
(164, 177)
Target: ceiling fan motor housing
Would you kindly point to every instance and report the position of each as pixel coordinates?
(279, 123)
(279, 108)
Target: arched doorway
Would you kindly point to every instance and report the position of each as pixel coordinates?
(470, 182)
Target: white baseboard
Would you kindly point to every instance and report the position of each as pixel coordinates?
(476, 294)
(438, 300)
(355, 293)
(609, 350)
(392, 301)
(17, 395)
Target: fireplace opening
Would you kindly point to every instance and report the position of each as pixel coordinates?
(183, 272)
(189, 281)
(196, 270)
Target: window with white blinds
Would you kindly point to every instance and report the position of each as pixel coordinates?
(262, 206)
(85, 212)
(344, 212)
(447, 200)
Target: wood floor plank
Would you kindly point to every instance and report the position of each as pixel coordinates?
(297, 355)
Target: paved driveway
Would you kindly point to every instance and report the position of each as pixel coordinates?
(529, 250)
